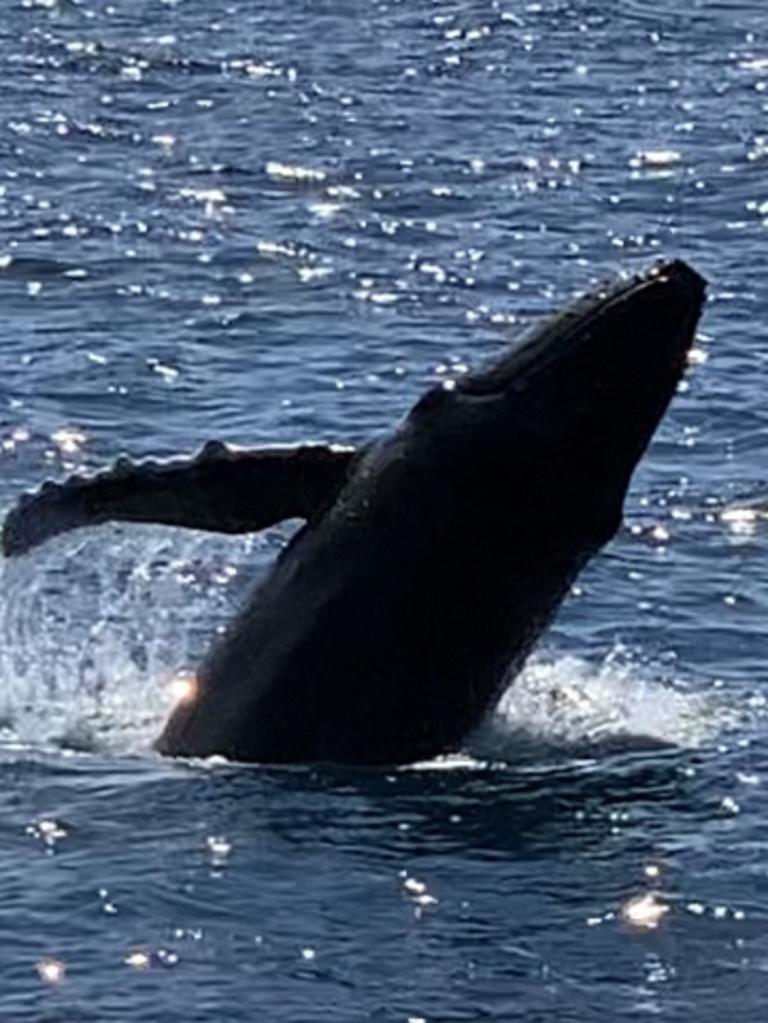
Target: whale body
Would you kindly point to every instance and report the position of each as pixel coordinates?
(430, 559)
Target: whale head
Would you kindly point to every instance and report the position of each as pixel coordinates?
(565, 414)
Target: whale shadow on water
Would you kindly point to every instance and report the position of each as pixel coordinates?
(485, 810)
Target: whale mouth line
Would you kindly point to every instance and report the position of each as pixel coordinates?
(510, 371)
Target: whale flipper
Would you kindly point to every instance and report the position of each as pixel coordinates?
(222, 489)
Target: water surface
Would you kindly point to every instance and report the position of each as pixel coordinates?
(268, 223)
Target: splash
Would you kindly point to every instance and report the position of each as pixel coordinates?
(98, 636)
(570, 705)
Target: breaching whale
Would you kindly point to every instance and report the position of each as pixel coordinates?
(431, 559)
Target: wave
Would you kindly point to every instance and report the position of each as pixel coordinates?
(97, 635)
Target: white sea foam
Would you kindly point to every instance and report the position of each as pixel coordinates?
(97, 634)
(567, 703)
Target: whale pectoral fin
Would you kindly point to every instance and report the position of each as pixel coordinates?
(221, 489)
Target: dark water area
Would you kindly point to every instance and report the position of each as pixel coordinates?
(272, 223)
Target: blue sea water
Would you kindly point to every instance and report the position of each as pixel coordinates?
(272, 222)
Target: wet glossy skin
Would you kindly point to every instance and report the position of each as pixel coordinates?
(390, 624)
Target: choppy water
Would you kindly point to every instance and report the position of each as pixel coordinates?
(272, 222)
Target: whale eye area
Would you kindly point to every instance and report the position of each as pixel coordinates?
(488, 384)
(435, 399)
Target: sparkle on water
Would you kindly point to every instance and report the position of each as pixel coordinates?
(51, 971)
(183, 688)
(646, 911)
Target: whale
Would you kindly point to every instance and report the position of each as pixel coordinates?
(429, 560)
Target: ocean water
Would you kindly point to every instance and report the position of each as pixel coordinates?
(272, 222)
